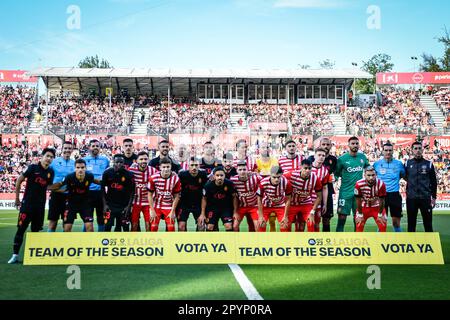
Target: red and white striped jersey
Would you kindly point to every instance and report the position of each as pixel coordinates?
(274, 196)
(164, 190)
(141, 179)
(303, 189)
(290, 164)
(323, 174)
(246, 190)
(370, 194)
(184, 165)
(251, 163)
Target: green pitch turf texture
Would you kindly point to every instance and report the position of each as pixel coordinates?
(216, 282)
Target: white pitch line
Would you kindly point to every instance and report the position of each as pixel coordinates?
(9, 224)
(246, 285)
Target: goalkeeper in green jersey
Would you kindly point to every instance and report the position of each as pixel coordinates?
(350, 168)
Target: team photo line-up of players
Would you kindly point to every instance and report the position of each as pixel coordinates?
(292, 190)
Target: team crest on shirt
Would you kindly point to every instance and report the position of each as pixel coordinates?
(48, 175)
(87, 183)
(199, 180)
(123, 179)
(362, 161)
(225, 188)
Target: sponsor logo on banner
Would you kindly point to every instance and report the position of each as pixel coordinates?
(16, 76)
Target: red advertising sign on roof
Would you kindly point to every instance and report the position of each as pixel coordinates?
(15, 76)
(413, 78)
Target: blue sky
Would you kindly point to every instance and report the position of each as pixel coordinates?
(218, 33)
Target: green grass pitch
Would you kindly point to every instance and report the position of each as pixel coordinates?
(216, 282)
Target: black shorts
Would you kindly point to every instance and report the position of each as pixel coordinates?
(115, 213)
(57, 206)
(393, 204)
(96, 203)
(85, 214)
(35, 216)
(183, 213)
(329, 213)
(214, 214)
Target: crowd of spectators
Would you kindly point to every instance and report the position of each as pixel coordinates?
(16, 106)
(91, 115)
(400, 112)
(442, 98)
(312, 119)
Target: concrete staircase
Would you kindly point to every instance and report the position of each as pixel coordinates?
(338, 123)
(436, 113)
(140, 128)
(234, 123)
(37, 127)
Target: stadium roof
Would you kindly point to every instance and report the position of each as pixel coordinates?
(202, 73)
(183, 81)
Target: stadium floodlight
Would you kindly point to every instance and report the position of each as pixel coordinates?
(414, 59)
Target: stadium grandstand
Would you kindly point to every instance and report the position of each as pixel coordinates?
(194, 106)
(162, 94)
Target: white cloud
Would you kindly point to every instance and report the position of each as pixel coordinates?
(309, 3)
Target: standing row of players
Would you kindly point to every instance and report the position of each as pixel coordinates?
(292, 189)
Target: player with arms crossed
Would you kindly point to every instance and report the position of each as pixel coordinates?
(242, 149)
(77, 184)
(322, 173)
(32, 208)
(96, 164)
(350, 169)
(118, 193)
(330, 163)
(164, 195)
(274, 200)
(192, 183)
(58, 200)
(305, 184)
(370, 194)
(246, 184)
(219, 202)
(141, 172)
